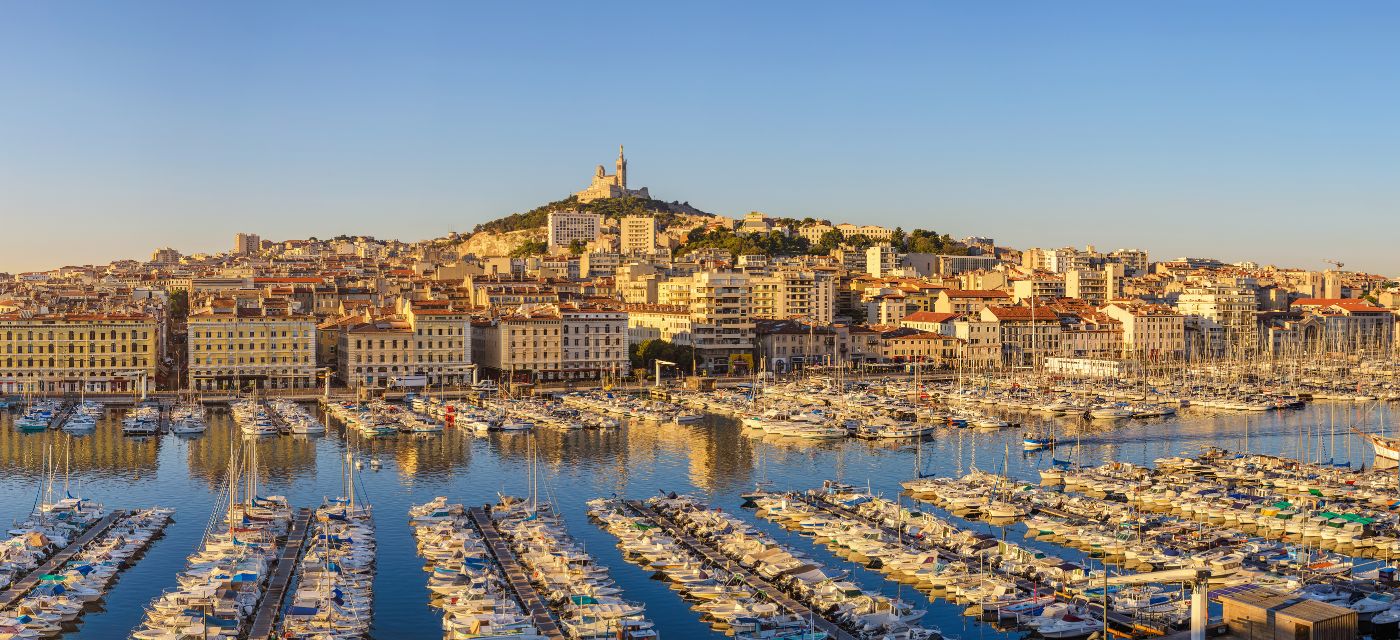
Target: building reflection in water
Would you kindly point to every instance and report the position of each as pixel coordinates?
(101, 454)
(279, 457)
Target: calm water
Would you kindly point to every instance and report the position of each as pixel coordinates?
(714, 459)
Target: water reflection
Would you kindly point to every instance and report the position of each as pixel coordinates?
(715, 458)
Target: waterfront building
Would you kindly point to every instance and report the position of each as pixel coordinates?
(931, 321)
(722, 325)
(911, 345)
(1151, 332)
(1026, 334)
(96, 352)
(1228, 325)
(789, 345)
(981, 341)
(233, 347)
(547, 343)
(424, 343)
(658, 322)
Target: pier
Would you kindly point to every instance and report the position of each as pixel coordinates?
(271, 605)
(28, 582)
(64, 413)
(1113, 617)
(754, 582)
(515, 576)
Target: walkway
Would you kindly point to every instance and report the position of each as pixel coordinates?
(28, 582)
(515, 576)
(271, 605)
(756, 583)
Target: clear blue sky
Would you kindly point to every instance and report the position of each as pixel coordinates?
(1240, 130)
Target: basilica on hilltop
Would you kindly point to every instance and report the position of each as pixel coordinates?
(611, 186)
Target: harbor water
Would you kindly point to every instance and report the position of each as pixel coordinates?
(715, 459)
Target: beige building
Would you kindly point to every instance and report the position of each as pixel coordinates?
(637, 234)
(1089, 285)
(1227, 309)
(78, 352)
(968, 302)
(429, 343)
(794, 294)
(1150, 332)
(549, 343)
(658, 322)
(236, 348)
(720, 305)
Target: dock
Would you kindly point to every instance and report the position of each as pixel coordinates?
(64, 413)
(31, 580)
(270, 607)
(277, 421)
(759, 585)
(515, 576)
(1021, 583)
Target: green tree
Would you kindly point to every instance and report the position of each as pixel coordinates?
(530, 248)
(179, 303)
(577, 247)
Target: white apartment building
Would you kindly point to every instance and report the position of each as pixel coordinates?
(1042, 287)
(794, 294)
(567, 226)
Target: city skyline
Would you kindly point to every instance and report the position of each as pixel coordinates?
(1225, 131)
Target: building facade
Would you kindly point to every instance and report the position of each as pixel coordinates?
(77, 353)
(236, 348)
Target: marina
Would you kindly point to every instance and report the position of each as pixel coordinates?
(1118, 469)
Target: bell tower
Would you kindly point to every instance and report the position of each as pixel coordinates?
(621, 168)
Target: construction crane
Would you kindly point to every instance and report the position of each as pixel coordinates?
(1200, 585)
(1336, 263)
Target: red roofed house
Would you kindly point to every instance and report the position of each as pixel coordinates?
(969, 301)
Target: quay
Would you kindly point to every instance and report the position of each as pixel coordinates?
(754, 582)
(31, 580)
(515, 576)
(277, 421)
(270, 607)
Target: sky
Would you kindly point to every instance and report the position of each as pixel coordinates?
(1265, 131)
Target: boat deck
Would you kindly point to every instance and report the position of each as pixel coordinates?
(271, 605)
(515, 576)
(31, 580)
(754, 582)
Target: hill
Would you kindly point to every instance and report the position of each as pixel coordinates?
(667, 213)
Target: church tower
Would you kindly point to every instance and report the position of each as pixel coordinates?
(621, 168)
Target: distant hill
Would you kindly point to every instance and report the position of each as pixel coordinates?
(667, 213)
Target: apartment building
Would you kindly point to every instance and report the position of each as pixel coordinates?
(567, 226)
(1089, 285)
(658, 322)
(549, 343)
(794, 293)
(98, 352)
(422, 343)
(1040, 287)
(926, 347)
(637, 234)
(968, 302)
(1227, 313)
(233, 347)
(722, 329)
(1027, 335)
(1150, 332)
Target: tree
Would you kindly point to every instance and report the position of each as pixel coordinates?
(577, 247)
(829, 240)
(897, 240)
(179, 303)
(530, 248)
